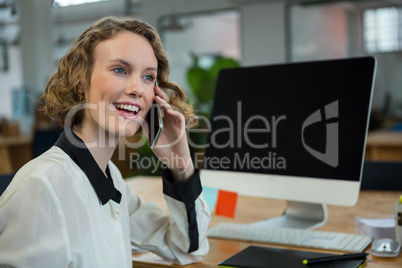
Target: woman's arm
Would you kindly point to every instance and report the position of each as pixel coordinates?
(180, 237)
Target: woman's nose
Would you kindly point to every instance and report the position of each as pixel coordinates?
(134, 88)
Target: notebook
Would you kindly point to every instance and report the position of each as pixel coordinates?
(265, 257)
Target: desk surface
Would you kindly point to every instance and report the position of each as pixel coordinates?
(341, 219)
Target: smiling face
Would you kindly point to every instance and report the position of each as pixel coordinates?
(122, 85)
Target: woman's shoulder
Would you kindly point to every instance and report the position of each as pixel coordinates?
(54, 164)
(52, 172)
(50, 160)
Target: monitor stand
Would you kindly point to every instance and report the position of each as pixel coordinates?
(299, 215)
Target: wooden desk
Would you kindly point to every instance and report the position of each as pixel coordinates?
(341, 219)
(383, 145)
(15, 152)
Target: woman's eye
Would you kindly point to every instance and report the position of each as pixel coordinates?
(150, 78)
(119, 70)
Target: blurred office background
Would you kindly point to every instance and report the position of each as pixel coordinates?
(34, 34)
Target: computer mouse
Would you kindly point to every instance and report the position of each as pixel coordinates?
(385, 247)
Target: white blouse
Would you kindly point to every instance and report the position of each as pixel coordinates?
(51, 216)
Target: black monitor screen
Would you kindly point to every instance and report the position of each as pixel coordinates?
(301, 119)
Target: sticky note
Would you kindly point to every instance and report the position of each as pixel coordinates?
(210, 195)
(226, 204)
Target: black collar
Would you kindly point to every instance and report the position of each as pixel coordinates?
(72, 145)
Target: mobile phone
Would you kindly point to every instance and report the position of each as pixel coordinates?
(155, 123)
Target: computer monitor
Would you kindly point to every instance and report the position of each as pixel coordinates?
(293, 131)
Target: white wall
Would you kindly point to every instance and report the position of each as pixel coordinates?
(263, 33)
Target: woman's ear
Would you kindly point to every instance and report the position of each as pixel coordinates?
(81, 90)
(82, 87)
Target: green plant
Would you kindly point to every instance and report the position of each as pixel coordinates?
(202, 81)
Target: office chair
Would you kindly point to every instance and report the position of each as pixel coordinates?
(382, 176)
(5, 180)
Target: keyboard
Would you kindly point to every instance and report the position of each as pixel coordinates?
(291, 237)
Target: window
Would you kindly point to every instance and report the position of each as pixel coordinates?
(383, 29)
(64, 3)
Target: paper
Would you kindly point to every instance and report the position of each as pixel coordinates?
(226, 204)
(210, 195)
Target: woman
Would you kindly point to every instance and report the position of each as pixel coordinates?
(70, 206)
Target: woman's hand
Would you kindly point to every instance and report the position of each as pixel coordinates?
(172, 146)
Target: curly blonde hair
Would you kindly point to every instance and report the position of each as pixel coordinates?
(61, 93)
